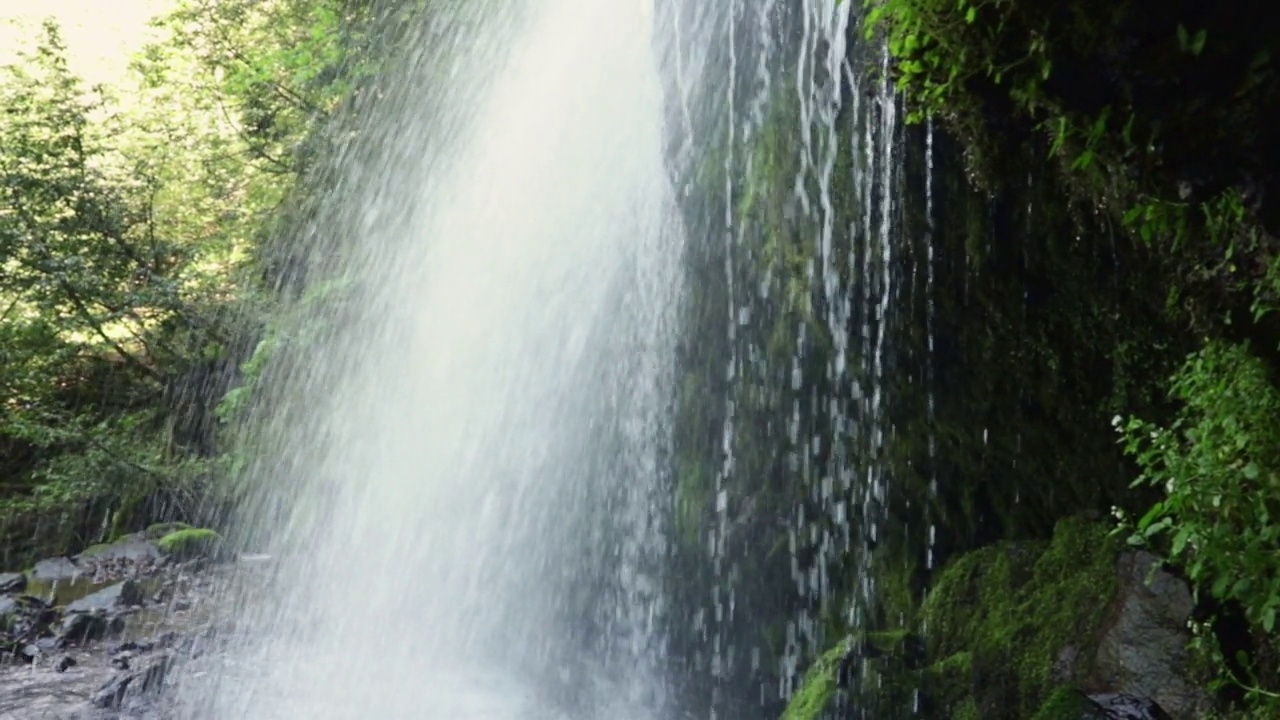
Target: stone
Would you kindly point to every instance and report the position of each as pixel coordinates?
(111, 696)
(1118, 706)
(12, 582)
(121, 659)
(131, 548)
(112, 597)
(1070, 704)
(82, 627)
(56, 569)
(65, 662)
(1064, 666)
(22, 612)
(1142, 650)
(191, 544)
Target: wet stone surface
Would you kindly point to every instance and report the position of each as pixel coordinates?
(101, 642)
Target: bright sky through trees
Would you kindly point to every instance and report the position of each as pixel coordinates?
(100, 34)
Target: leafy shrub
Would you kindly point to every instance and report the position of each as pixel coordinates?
(1219, 464)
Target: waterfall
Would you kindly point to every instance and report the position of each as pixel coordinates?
(586, 408)
(460, 469)
(802, 270)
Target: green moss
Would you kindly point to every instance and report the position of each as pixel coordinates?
(999, 618)
(190, 543)
(95, 549)
(949, 681)
(159, 530)
(818, 687)
(1063, 704)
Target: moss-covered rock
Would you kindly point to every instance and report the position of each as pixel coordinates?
(191, 543)
(1064, 704)
(818, 690)
(1009, 623)
(159, 530)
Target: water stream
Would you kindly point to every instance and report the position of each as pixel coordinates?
(464, 503)
(463, 464)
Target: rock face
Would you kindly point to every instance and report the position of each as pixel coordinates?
(1118, 706)
(112, 597)
(1079, 628)
(1069, 704)
(12, 582)
(148, 681)
(56, 569)
(98, 615)
(132, 548)
(1142, 649)
(83, 627)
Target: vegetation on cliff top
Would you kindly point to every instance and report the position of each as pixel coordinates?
(134, 264)
(1156, 119)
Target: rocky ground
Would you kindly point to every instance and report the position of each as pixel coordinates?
(94, 636)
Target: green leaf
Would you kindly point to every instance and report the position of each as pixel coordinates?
(1151, 515)
(1220, 584)
(1197, 44)
(1180, 540)
(1083, 161)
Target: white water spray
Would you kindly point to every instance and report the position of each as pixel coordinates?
(464, 518)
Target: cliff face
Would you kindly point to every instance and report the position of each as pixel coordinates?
(1089, 201)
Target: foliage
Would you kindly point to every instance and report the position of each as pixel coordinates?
(1157, 121)
(133, 238)
(1217, 465)
(104, 305)
(1089, 83)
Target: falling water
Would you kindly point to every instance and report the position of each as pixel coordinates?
(464, 502)
(463, 455)
(803, 226)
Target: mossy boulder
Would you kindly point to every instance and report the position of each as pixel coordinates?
(1010, 623)
(191, 543)
(8, 613)
(159, 530)
(1065, 704)
(818, 689)
(136, 547)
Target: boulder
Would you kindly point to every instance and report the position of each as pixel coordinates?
(1071, 704)
(112, 695)
(83, 627)
(1142, 650)
(113, 597)
(134, 548)
(1118, 706)
(159, 530)
(56, 570)
(21, 614)
(191, 543)
(12, 582)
